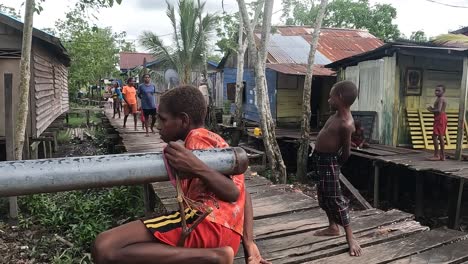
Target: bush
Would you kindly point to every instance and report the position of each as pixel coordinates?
(81, 215)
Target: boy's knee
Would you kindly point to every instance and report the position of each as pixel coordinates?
(104, 250)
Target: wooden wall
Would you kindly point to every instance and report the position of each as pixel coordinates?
(435, 71)
(50, 82)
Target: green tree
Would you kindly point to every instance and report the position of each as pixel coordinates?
(357, 14)
(189, 41)
(93, 51)
(418, 36)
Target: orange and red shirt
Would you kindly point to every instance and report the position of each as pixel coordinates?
(230, 215)
(129, 92)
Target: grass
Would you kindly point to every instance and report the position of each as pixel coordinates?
(79, 216)
(80, 120)
(63, 137)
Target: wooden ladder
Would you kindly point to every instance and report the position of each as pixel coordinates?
(421, 126)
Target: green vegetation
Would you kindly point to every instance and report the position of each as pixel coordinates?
(80, 215)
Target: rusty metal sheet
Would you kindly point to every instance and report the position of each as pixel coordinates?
(299, 69)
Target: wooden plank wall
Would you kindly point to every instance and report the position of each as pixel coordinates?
(51, 91)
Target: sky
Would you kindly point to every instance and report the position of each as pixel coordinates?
(136, 16)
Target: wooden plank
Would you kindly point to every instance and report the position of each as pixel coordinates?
(338, 245)
(400, 248)
(360, 224)
(281, 204)
(355, 192)
(305, 242)
(462, 110)
(298, 222)
(453, 253)
(455, 202)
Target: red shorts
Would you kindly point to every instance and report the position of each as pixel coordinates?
(168, 228)
(130, 109)
(440, 124)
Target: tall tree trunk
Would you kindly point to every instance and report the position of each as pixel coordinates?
(240, 73)
(25, 76)
(242, 47)
(259, 58)
(213, 124)
(302, 153)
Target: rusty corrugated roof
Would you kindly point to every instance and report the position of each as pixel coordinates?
(299, 69)
(334, 44)
(337, 44)
(129, 60)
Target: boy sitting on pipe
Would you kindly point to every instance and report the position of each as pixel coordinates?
(222, 200)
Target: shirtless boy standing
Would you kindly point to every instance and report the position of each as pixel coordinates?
(332, 149)
(440, 123)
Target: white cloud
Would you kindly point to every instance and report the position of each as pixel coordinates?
(135, 16)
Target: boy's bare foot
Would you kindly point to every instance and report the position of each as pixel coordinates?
(442, 158)
(147, 135)
(435, 158)
(124, 126)
(355, 249)
(225, 255)
(254, 255)
(329, 231)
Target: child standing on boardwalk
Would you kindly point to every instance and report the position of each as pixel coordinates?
(217, 238)
(332, 149)
(440, 123)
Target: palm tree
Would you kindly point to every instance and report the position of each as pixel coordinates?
(455, 40)
(186, 53)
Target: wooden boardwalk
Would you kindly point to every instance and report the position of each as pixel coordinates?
(286, 219)
(417, 162)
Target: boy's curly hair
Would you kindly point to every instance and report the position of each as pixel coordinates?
(185, 99)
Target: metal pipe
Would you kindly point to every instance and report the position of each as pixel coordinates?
(65, 174)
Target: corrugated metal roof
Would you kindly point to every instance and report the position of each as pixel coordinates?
(337, 44)
(292, 49)
(287, 45)
(299, 69)
(129, 60)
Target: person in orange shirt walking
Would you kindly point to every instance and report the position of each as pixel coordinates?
(130, 98)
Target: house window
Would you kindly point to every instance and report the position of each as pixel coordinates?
(231, 92)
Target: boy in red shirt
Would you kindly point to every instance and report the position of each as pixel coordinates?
(440, 123)
(217, 238)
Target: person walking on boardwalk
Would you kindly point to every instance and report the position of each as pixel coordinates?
(130, 107)
(440, 123)
(222, 199)
(146, 93)
(116, 92)
(332, 149)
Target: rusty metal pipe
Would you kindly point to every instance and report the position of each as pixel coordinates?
(65, 174)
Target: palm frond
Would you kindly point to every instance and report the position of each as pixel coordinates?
(154, 44)
(172, 16)
(454, 40)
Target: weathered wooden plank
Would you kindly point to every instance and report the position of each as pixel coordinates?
(359, 224)
(42, 94)
(453, 253)
(281, 204)
(42, 68)
(355, 192)
(401, 248)
(335, 246)
(299, 222)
